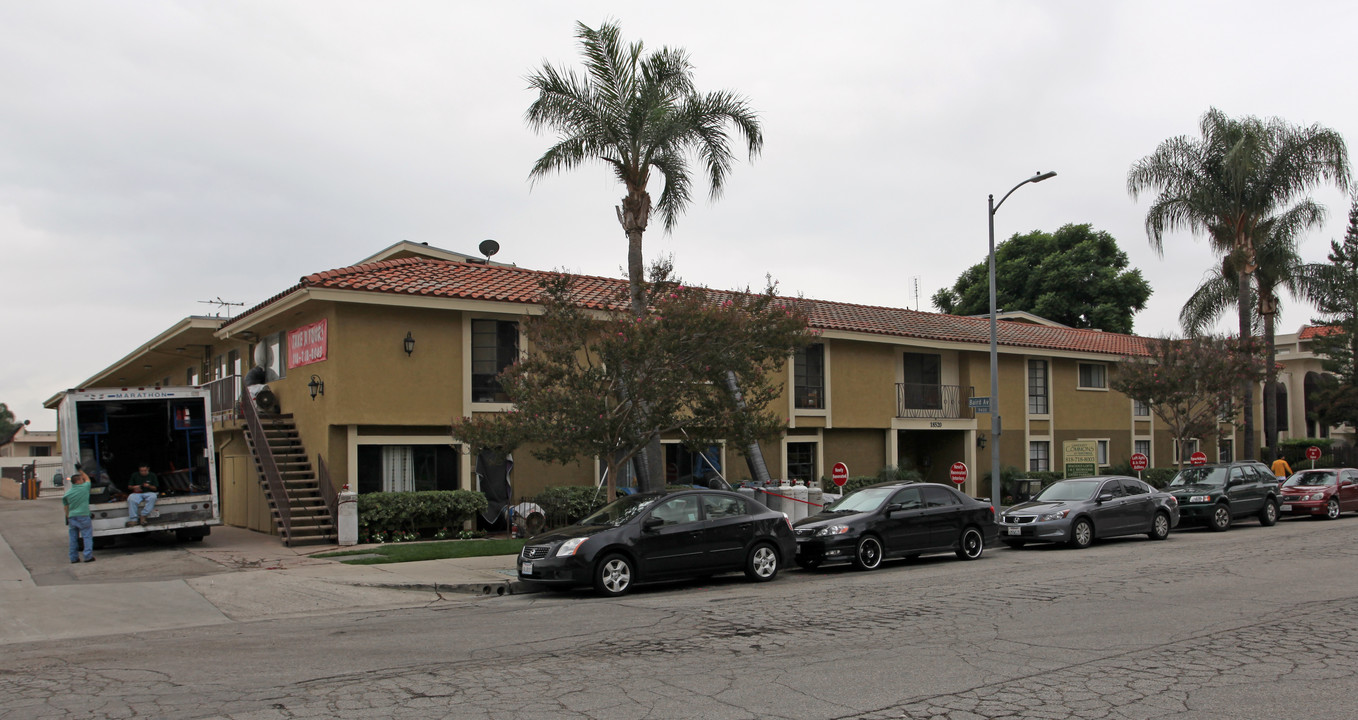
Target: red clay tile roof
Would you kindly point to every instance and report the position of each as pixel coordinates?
(442, 278)
(1313, 331)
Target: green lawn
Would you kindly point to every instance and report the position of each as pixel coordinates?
(438, 550)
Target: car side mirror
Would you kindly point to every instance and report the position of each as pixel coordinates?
(893, 507)
(1105, 497)
(1235, 481)
(652, 523)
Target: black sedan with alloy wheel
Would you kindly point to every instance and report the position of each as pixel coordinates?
(662, 536)
(895, 520)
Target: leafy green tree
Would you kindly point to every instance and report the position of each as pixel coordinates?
(595, 384)
(1278, 266)
(1076, 276)
(638, 113)
(1188, 383)
(8, 425)
(1228, 184)
(1336, 400)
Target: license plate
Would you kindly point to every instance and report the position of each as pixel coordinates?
(1284, 508)
(1014, 531)
(526, 568)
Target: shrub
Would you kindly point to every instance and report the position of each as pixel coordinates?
(1158, 477)
(565, 504)
(400, 514)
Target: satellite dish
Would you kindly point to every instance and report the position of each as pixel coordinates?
(488, 248)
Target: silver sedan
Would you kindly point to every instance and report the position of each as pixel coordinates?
(1078, 510)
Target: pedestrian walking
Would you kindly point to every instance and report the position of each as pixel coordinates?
(76, 501)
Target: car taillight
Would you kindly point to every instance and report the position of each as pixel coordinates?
(788, 520)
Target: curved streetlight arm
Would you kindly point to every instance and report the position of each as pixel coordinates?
(1036, 178)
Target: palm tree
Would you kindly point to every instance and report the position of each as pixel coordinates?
(638, 113)
(1277, 266)
(1228, 184)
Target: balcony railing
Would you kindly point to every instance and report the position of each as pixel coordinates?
(225, 395)
(924, 400)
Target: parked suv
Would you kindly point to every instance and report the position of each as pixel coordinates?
(1217, 495)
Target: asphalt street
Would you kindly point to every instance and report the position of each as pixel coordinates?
(1252, 623)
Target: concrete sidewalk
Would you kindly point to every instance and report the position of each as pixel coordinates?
(233, 575)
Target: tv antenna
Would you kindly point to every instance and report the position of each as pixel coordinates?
(915, 280)
(222, 305)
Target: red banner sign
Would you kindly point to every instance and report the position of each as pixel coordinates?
(307, 344)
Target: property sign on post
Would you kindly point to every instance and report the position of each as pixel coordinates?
(840, 474)
(1080, 457)
(1198, 458)
(1313, 453)
(958, 472)
(1139, 461)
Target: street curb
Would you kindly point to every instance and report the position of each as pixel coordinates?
(500, 588)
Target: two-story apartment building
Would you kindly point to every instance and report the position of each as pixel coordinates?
(372, 361)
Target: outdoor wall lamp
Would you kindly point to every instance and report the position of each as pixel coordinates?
(408, 343)
(980, 441)
(316, 386)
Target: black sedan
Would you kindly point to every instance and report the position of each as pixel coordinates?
(662, 536)
(895, 519)
(1078, 510)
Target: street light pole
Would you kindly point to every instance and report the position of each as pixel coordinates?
(995, 497)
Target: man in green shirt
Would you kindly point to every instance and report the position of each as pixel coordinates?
(77, 504)
(141, 496)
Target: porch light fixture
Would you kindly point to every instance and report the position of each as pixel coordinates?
(408, 343)
(316, 386)
(995, 498)
(980, 441)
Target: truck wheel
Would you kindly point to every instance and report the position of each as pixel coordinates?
(1268, 514)
(1220, 521)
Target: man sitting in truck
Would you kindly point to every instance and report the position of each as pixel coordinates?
(141, 497)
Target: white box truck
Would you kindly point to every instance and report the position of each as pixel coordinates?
(112, 431)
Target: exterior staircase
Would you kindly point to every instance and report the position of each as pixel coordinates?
(301, 499)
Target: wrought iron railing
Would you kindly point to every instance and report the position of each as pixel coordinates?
(926, 400)
(259, 442)
(327, 490)
(224, 393)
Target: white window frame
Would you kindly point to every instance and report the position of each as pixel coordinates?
(467, 402)
(1047, 459)
(1046, 386)
(818, 440)
(1096, 388)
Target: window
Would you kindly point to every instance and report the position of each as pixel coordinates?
(1140, 409)
(1093, 376)
(1186, 453)
(1037, 387)
(1226, 450)
(1143, 447)
(922, 374)
(1280, 390)
(1039, 456)
(677, 511)
(1135, 487)
(403, 468)
(1103, 452)
(908, 499)
(495, 346)
(801, 461)
(1114, 488)
(809, 377)
(687, 467)
(40, 451)
(723, 506)
(939, 497)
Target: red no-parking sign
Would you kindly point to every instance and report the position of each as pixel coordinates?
(1313, 453)
(958, 472)
(1198, 458)
(1140, 461)
(840, 474)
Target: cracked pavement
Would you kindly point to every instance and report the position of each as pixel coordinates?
(1252, 623)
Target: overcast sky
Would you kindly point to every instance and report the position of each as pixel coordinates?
(158, 154)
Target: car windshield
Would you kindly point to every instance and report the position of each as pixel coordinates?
(1068, 490)
(1311, 479)
(1200, 476)
(621, 510)
(865, 500)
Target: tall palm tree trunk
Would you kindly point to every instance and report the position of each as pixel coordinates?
(1267, 307)
(1246, 332)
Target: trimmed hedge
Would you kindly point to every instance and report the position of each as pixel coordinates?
(417, 512)
(565, 504)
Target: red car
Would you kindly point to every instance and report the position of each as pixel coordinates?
(1320, 493)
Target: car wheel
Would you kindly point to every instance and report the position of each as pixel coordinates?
(1159, 527)
(1332, 509)
(613, 576)
(1082, 534)
(762, 564)
(1220, 520)
(868, 554)
(1268, 514)
(971, 544)
(806, 564)
(1015, 544)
